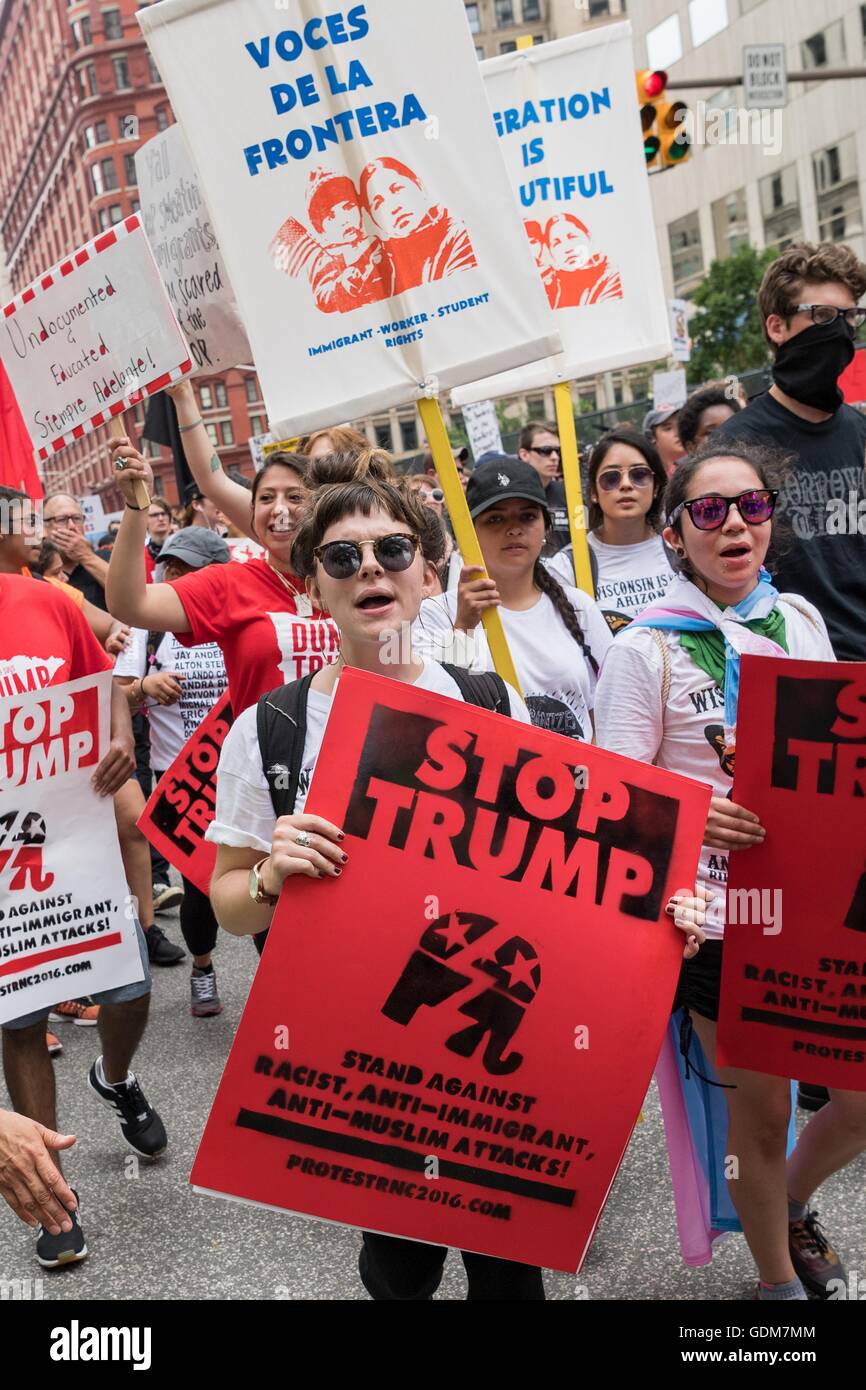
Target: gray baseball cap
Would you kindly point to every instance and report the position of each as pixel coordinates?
(657, 416)
(196, 546)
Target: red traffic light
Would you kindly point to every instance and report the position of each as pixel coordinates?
(654, 83)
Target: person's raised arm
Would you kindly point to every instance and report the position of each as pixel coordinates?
(232, 498)
(155, 607)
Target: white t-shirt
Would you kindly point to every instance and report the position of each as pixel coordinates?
(244, 815)
(204, 682)
(630, 577)
(556, 680)
(689, 735)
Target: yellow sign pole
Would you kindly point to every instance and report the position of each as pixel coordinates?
(464, 531)
(117, 430)
(573, 489)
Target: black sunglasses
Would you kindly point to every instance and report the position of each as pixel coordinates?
(709, 513)
(547, 450)
(342, 559)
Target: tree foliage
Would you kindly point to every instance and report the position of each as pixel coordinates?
(726, 331)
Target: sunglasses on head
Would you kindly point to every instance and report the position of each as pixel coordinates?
(639, 476)
(548, 450)
(709, 513)
(342, 559)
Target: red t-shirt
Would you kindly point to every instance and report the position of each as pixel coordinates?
(267, 636)
(44, 639)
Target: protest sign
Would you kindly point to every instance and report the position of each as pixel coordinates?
(181, 805)
(569, 127)
(95, 520)
(794, 981)
(184, 243)
(669, 389)
(67, 922)
(451, 1042)
(93, 335)
(359, 197)
(482, 427)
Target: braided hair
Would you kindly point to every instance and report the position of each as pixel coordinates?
(548, 584)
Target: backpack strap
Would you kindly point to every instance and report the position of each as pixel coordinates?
(153, 640)
(483, 688)
(281, 726)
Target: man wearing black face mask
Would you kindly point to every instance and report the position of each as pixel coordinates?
(809, 303)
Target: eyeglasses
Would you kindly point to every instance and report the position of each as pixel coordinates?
(639, 476)
(342, 559)
(828, 313)
(547, 450)
(709, 513)
(64, 520)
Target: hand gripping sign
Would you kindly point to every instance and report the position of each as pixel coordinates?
(67, 925)
(94, 334)
(794, 983)
(358, 193)
(452, 1041)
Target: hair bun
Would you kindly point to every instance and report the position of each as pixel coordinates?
(366, 465)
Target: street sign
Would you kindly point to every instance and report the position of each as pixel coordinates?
(765, 77)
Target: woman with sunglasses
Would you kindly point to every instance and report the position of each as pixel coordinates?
(668, 694)
(556, 634)
(626, 483)
(368, 551)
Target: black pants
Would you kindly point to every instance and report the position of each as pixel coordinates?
(145, 778)
(197, 921)
(406, 1270)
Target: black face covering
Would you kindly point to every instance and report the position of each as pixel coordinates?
(809, 365)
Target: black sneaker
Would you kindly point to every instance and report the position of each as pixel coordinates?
(166, 895)
(160, 951)
(811, 1097)
(67, 1248)
(205, 1001)
(140, 1125)
(812, 1256)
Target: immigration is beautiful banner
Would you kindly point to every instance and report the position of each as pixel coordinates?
(452, 1041)
(184, 243)
(359, 196)
(182, 804)
(92, 335)
(67, 923)
(794, 981)
(567, 119)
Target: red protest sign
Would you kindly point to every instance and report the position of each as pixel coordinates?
(181, 806)
(452, 1041)
(793, 997)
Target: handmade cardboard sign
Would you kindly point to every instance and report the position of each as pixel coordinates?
(93, 335)
(794, 981)
(67, 922)
(452, 1041)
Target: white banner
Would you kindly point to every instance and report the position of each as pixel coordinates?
(179, 228)
(93, 335)
(360, 199)
(569, 128)
(482, 427)
(681, 345)
(67, 925)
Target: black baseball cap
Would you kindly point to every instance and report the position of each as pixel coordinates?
(501, 477)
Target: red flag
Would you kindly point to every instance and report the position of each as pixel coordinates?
(852, 382)
(17, 468)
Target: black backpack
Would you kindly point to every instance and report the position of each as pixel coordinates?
(281, 724)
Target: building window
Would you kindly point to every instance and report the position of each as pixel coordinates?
(474, 19)
(383, 435)
(251, 386)
(838, 191)
(127, 127)
(504, 14)
(597, 9)
(258, 424)
(206, 397)
(826, 49)
(96, 135)
(162, 118)
(780, 207)
(129, 173)
(121, 72)
(664, 44)
(112, 24)
(508, 46)
(706, 19)
(725, 100)
(212, 435)
(532, 11)
(687, 257)
(222, 399)
(153, 70)
(103, 176)
(227, 434)
(87, 83)
(409, 431)
(82, 36)
(730, 223)
(115, 214)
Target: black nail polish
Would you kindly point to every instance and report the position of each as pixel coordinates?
(345, 857)
(338, 871)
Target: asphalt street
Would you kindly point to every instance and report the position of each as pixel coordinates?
(151, 1237)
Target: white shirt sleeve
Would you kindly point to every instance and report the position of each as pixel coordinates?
(628, 701)
(435, 638)
(561, 565)
(598, 636)
(244, 817)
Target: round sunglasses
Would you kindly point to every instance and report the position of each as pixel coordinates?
(342, 559)
(709, 513)
(639, 476)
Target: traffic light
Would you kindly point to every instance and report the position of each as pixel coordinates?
(650, 86)
(675, 143)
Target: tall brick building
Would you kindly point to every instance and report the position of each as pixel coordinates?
(79, 94)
